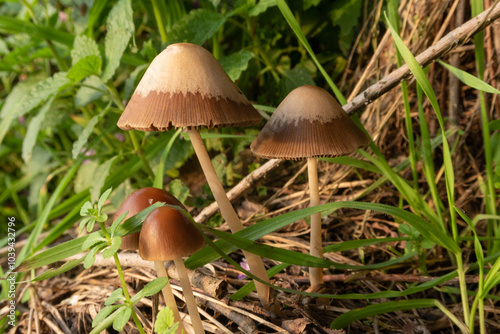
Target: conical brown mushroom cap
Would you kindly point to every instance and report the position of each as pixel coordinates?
(309, 122)
(167, 234)
(138, 201)
(185, 86)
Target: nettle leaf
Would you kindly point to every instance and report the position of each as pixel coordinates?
(179, 190)
(115, 246)
(92, 89)
(33, 130)
(84, 136)
(165, 321)
(83, 47)
(101, 174)
(236, 63)
(42, 92)
(115, 296)
(85, 67)
(122, 317)
(120, 27)
(196, 27)
(345, 14)
(261, 7)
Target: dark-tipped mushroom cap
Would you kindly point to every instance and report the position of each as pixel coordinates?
(309, 122)
(185, 86)
(138, 201)
(167, 234)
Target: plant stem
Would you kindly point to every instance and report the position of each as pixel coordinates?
(316, 244)
(159, 21)
(168, 295)
(227, 211)
(139, 152)
(452, 317)
(122, 280)
(189, 296)
(463, 287)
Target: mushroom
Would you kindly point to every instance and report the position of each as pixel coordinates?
(138, 201)
(135, 203)
(309, 123)
(167, 234)
(185, 87)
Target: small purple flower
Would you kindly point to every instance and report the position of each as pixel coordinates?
(120, 136)
(245, 266)
(89, 153)
(21, 119)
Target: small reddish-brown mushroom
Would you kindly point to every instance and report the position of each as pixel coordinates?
(167, 234)
(309, 123)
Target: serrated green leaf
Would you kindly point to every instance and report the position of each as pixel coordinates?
(179, 190)
(122, 317)
(236, 63)
(33, 130)
(83, 46)
(42, 92)
(92, 89)
(115, 246)
(93, 239)
(196, 27)
(469, 79)
(165, 321)
(101, 316)
(90, 65)
(114, 297)
(99, 180)
(120, 27)
(150, 289)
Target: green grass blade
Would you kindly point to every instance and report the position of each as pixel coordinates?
(469, 79)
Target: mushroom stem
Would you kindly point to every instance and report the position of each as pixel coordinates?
(189, 296)
(316, 247)
(168, 295)
(227, 211)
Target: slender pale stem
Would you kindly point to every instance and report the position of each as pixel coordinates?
(227, 211)
(168, 295)
(189, 296)
(316, 247)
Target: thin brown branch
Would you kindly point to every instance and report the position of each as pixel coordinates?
(457, 37)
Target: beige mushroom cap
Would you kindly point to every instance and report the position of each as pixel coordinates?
(138, 201)
(185, 86)
(308, 123)
(167, 234)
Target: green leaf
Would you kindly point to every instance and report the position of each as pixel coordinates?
(165, 321)
(369, 311)
(117, 222)
(196, 27)
(84, 136)
(102, 315)
(84, 47)
(85, 67)
(33, 130)
(120, 27)
(345, 14)
(92, 89)
(122, 317)
(150, 289)
(93, 239)
(86, 209)
(115, 246)
(90, 257)
(261, 7)
(294, 78)
(101, 174)
(250, 286)
(236, 63)
(42, 92)
(54, 272)
(103, 199)
(470, 80)
(83, 223)
(115, 296)
(179, 190)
